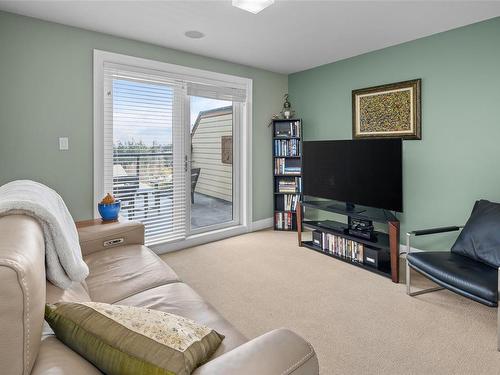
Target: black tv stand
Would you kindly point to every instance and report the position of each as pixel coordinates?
(385, 243)
(347, 207)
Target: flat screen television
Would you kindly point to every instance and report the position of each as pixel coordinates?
(364, 172)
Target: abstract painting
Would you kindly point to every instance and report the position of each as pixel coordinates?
(391, 110)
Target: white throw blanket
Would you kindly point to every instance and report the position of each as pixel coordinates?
(63, 256)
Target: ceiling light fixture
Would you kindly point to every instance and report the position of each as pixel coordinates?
(252, 6)
(194, 34)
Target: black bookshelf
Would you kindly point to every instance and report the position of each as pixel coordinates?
(287, 172)
(384, 243)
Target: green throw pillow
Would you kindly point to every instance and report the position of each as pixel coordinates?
(123, 340)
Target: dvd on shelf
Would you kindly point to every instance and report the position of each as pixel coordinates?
(339, 246)
(284, 220)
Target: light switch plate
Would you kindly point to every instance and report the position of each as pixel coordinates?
(63, 143)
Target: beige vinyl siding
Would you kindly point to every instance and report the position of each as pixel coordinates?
(216, 178)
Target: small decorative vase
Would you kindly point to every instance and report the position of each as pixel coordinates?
(287, 112)
(109, 212)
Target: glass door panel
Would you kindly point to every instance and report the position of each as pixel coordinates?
(211, 163)
(148, 156)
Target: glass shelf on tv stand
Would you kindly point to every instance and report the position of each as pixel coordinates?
(358, 211)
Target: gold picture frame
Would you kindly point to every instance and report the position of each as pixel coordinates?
(392, 110)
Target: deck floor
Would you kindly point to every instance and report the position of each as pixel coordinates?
(205, 211)
(208, 210)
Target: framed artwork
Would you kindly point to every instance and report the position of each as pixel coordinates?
(391, 110)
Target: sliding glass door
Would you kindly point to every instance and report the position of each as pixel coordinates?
(168, 145)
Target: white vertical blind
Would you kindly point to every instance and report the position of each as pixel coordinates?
(144, 145)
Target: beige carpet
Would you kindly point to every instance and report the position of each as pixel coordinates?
(358, 322)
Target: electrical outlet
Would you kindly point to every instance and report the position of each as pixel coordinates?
(63, 144)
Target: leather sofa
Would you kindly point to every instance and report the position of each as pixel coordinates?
(128, 274)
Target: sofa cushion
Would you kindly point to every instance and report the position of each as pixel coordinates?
(77, 293)
(55, 358)
(480, 238)
(181, 299)
(129, 340)
(120, 272)
(458, 273)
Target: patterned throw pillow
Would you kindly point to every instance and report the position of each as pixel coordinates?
(123, 340)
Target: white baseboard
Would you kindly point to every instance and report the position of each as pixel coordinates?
(202, 238)
(262, 224)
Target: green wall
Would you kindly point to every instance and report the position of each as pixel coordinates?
(458, 159)
(46, 92)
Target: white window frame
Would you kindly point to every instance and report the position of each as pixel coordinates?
(242, 171)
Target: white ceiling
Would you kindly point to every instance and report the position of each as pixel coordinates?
(287, 37)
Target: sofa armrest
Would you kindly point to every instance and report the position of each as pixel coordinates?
(100, 236)
(279, 352)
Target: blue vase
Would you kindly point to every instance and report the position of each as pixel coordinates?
(109, 212)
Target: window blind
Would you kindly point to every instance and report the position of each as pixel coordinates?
(144, 145)
(220, 92)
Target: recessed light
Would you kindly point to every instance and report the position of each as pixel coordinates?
(252, 6)
(194, 34)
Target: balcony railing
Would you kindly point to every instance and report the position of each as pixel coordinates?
(139, 175)
(143, 182)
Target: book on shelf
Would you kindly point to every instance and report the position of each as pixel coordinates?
(290, 185)
(287, 129)
(339, 246)
(287, 202)
(282, 166)
(290, 147)
(283, 220)
(290, 202)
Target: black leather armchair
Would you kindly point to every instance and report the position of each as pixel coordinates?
(457, 273)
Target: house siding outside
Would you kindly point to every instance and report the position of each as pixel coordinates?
(216, 177)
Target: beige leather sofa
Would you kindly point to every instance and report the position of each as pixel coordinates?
(127, 274)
